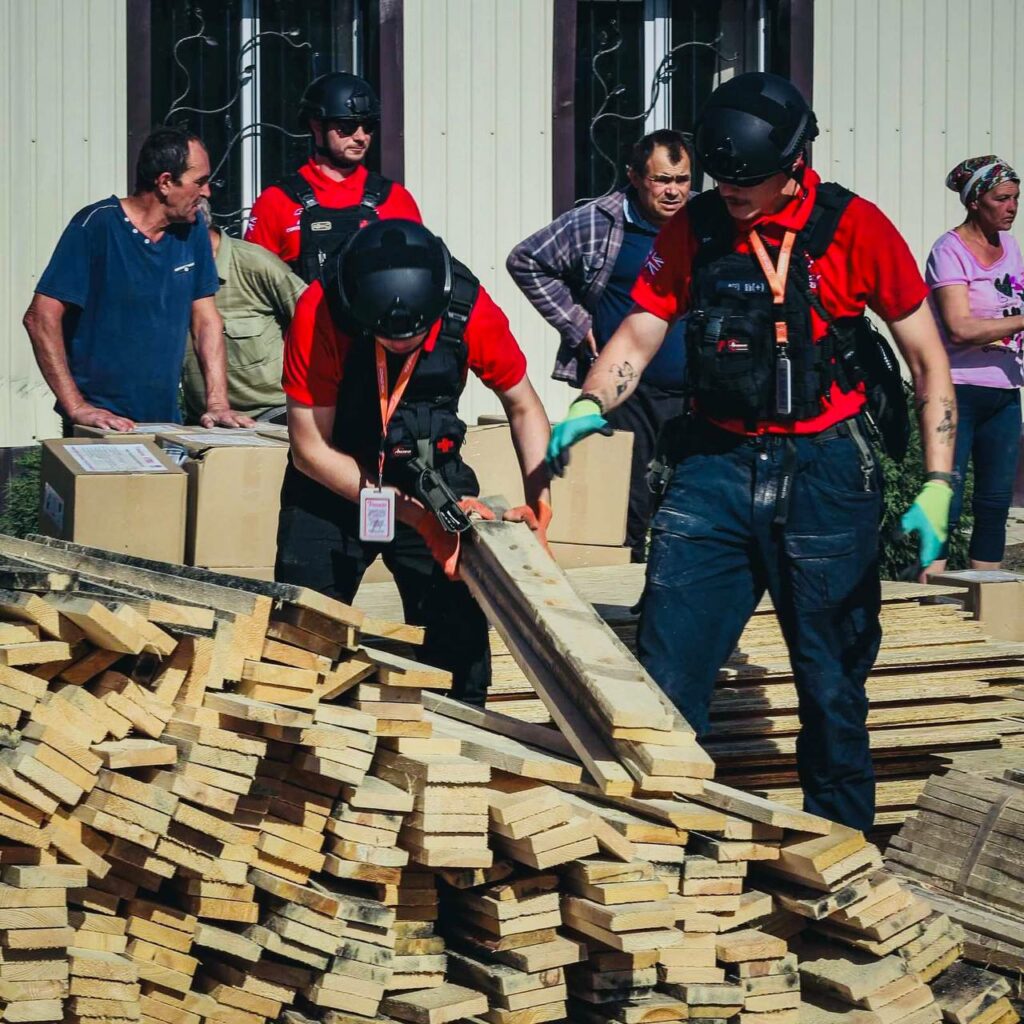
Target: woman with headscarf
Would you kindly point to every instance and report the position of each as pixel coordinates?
(976, 275)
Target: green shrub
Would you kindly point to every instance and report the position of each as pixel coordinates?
(20, 514)
(902, 485)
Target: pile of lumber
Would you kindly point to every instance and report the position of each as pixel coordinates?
(964, 853)
(940, 686)
(220, 802)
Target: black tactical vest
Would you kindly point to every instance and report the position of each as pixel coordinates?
(426, 422)
(732, 354)
(323, 230)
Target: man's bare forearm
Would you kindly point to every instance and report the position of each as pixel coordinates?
(937, 418)
(615, 375)
(212, 356)
(46, 333)
(531, 432)
(918, 340)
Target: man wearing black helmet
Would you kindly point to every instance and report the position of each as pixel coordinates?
(774, 485)
(309, 215)
(375, 361)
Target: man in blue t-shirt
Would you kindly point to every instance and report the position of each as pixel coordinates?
(578, 272)
(127, 280)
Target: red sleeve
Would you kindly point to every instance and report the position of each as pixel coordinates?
(267, 220)
(882, 272)
(494, 354)
(400, 204)
(663, 287)
(314, 351)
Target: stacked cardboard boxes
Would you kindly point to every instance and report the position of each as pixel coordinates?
(234, 490)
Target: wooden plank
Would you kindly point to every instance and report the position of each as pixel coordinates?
(609, 679)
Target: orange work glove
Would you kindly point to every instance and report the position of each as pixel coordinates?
(537, 519)
(473, 506)
(445, 546)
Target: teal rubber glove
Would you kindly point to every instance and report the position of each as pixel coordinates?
(583, 419)
(929, 518)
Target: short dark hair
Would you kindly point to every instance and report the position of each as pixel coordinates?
(165, 150)
(675, 142)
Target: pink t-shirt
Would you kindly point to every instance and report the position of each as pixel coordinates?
(994, 291)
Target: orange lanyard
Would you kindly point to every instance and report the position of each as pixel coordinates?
(388, 406)
(776, 279)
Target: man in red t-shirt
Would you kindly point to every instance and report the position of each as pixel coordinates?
(309, 215)
(774, 485)
(370, 403)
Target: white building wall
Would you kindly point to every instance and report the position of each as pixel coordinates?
(906, 89)
(478, 150)
(63, 114)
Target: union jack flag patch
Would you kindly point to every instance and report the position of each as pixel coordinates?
(654, 262)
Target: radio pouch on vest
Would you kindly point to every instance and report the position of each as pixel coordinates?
(732, 355)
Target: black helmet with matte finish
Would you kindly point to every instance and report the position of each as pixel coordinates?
(753, 126)
(395, 278)
(338, 94)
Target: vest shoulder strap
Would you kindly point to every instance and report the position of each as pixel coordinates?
(329, 280)
(712, 226)
(376, 190)
(298, 189)
(465, 289)
(829, 205)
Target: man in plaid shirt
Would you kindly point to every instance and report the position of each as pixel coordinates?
(578, 272)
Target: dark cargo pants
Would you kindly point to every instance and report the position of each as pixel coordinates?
(321, 549)
(716, 548)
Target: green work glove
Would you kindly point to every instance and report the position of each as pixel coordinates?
(929, 517)
(583, 419)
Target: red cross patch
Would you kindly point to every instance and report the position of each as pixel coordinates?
(445, 445)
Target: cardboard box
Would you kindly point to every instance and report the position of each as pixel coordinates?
(127, 497)
(583, 556)
(277, 431)
(234, 496)
(590, 501)
(994, 596)
(142, 431)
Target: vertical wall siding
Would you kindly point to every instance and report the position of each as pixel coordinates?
(905, 89)
(62, 100)
(478, 150)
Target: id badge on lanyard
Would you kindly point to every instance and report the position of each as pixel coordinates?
(777, 282)
(377, 515)
(377, 504)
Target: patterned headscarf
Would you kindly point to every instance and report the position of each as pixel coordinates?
(977, 175)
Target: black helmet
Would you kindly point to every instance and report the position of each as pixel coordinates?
(753, 126)
(338, 94)
(395, 278)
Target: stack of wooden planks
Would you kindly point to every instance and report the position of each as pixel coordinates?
(964, 853)
(189, 835)
(940, 686)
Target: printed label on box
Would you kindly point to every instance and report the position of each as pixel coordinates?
(115, 458)
(53, 506)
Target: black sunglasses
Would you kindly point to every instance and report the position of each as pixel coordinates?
(350, 125)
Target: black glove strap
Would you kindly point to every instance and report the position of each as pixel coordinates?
(946, 478)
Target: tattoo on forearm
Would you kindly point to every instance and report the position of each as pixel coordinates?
(947, 425)
(623, 375)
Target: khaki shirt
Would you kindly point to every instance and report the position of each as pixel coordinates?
(256, 299)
